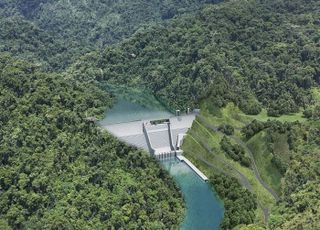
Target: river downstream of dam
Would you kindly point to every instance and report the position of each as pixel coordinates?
(204, 208)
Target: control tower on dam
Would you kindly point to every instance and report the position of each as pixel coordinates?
(162, 138)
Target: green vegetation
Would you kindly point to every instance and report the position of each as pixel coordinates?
(239, 203)
(269, 170)
(59, 171)
(313, 112)
(202, 147)
(292, 117)
(236, 152)
(56, 33)
(230, 114)
(299, 207)
(316, 94)
(226, 129)
(277, 148)
(216, 165)
(251, 65)
(237, 51)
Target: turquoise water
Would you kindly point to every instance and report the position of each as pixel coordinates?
(125, 111)
(204, 210)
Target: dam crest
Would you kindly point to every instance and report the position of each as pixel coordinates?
(162, 138)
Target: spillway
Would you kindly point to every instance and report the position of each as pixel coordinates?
(130, 122)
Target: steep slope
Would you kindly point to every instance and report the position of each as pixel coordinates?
(281, 150)
(76, 27)
(59, 171)
(299, 207)
(237, 51)
(256, 54)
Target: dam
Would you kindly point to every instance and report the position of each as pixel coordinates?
(162, 138)
(160, 133)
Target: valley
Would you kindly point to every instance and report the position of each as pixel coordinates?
(69, 70)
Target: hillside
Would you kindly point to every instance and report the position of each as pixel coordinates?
(260, 55)
(59, 171)
(281, 174)
(254, 53)
(251, 66)
(56, 33)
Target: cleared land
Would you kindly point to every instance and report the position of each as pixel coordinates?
(202, 147)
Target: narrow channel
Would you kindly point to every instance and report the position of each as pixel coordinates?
(204, 209)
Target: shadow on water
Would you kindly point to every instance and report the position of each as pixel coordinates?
(133, 104)
(125, 111)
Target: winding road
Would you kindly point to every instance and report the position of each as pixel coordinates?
(242, 178)
(254, 165)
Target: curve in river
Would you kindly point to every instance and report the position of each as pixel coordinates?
(204, 209)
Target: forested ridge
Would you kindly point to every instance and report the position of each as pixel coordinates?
(240, 204)
(250, 52)
(56, 33)
(58, 170)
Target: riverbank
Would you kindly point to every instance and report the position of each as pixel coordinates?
(204, 209)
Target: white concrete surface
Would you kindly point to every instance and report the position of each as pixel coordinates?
(193, 167)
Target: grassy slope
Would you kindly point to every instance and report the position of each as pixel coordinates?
(289, 118)
(232, 115)
(201, 146)
(269, 173)
(281, 147)
(216, 161)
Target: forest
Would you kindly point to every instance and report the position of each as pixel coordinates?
(239, 203)
(56, 33)
(239, 48)
(59, 171)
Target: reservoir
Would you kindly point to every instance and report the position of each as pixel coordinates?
(204, 209)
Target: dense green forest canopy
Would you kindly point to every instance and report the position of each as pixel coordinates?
(240, 204)
(55, 33)
(300, 204)
(237, 51)
(59, 171)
